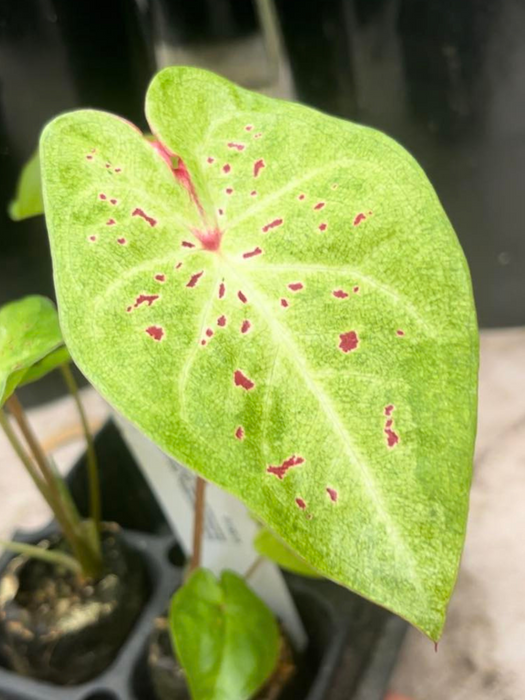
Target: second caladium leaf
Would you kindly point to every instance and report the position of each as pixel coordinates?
(31, 343)
(277, 299)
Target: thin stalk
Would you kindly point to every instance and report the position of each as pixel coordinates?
(95, 509)
(18, 413)
(24, 458)
(50, 556)
(254, 567)
(89, 560)
(198, 524)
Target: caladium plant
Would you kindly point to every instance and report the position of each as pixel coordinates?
(278, 300)
(31, 346)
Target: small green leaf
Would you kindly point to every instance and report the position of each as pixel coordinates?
(225, 637)
(50, 362)
(29, 332)
(28, 201)
(288, 312)
(270, 546)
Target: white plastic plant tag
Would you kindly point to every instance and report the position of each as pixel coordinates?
(229, 528)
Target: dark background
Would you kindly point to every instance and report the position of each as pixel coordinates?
(446, 79)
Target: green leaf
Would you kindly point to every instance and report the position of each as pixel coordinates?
(29, 332)
(271, 547)
(58, 357)
(28, 201)
(344, 415)
(225, 637)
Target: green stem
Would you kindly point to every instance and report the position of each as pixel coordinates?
(198, 524)
(50, 556)
(24, 458)
(93, 473)
(89, 560)
(18, 413)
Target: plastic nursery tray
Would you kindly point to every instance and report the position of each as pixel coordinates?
(353, 644)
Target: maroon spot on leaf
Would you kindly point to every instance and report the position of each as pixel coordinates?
(178, 266)
(187, 244)
(240, 379)
(121, 241)
(149, 219)
(281, 470)
(221, 321)
(285, 303)
(113, 201)
(296, 286)
(348, 341)
(160, 277)
(248, 127)
(340, 294)
(389, 409)
(210, 239)
(220, 212)
(257, 136)
(110, 222)
(242, 297)
(236, 146)
(400, 332)
(392, 438)
(226, 168)
(252, 253)
(253, 193)
(246, 325)
(203, 342)
(333, 494)
(192, 282)
(356, 290)
(323, 226)
(148, 299)
(239, 433)
(301, 197)
(89, 157)
(300, 503)
(118, 170)
(222, 290)
(156, 332)
(102, 196)
(93, 238)
(229, 190)
(258, 166)
(359, 218)
(209, 332)
(129, 309)
(319, 205)
(210, 160)
(108, 165)
(389, 423)
(273, 224)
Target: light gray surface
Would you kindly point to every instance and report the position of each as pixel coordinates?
(482, 652)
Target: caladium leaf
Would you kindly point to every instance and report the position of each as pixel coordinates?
(30, 342)
(271, 547)
(28, 201)
(284, 307)
(225, 637)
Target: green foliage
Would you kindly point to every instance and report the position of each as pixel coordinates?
(31, 343)
(290, 315)
(28, 201)
(271, 547)
(225, 637)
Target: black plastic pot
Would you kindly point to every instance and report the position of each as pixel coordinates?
(353, 644)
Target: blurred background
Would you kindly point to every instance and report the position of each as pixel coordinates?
(447, 80)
